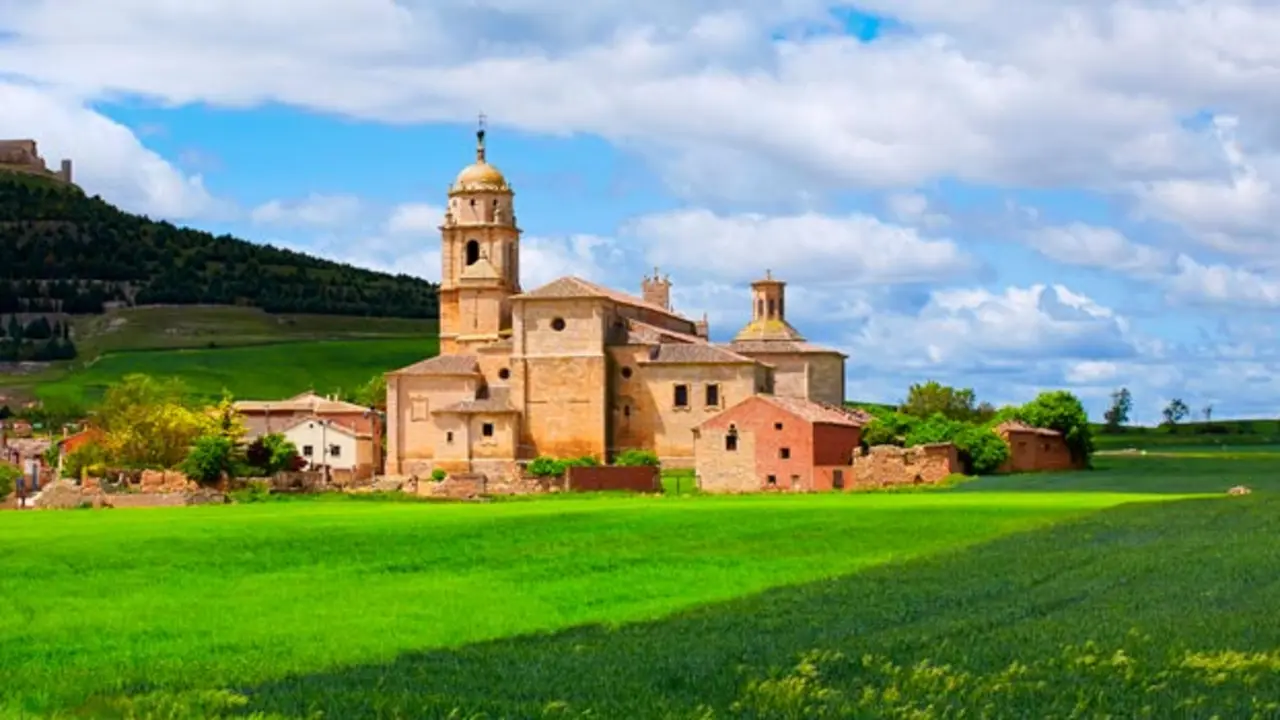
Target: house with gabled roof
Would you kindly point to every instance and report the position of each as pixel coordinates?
(573, 368)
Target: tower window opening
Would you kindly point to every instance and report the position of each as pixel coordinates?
(770, 308)
(473, 252)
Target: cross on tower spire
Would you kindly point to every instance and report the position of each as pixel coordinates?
(480, 129)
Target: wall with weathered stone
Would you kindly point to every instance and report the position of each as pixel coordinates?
(669, 429)
(888, 465)
(722, 471)
(412, 439)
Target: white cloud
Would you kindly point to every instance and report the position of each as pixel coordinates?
(313, 211)
(1099, 247)
(1014, 101)
(416, 219)
(809, 248)
(107, 158)
(1223, 285)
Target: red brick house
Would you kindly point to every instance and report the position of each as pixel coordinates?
(1033, 449)
(767, 442)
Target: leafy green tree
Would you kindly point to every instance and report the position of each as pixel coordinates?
(1118, 414)
(273, 453)
(212, 457)
(9, 475)
(1175, 411)
(930, 398)
(981, 450)
(1062, 411)
(373, 393)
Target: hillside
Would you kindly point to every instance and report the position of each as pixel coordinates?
(64, 252)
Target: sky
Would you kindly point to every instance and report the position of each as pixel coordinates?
(1012, 197)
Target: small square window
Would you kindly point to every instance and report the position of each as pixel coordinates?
(777, 426)
(307, 451)
(487, 429)
(785, 453)
(335, 450)
(771, 480)
(682, 396)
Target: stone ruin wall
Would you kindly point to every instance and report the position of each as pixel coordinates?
(889, 465)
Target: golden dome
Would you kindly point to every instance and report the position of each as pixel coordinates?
(480, 175)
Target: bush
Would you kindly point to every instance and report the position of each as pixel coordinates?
(936, 429)
(9, 475)
(255, 491)
(273, 453)
(89, 459)
(981, 450)
(549, 467)
(439, 475)
(637, 458)
(211, 458)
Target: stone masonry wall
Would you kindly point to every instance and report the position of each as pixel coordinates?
(887, 465)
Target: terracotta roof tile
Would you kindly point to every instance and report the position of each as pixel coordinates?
(1019, 426)
(816, 412)
(641, 333)
(498, 401)
(442, 365)
(305, 402)
(694, 353)
(575, 287)
(334, 424)
(780, 346)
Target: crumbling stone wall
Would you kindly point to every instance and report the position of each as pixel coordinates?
(888, 465)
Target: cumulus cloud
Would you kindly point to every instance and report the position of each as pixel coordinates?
(107, 157)
(313, 211)
(809, 248)
(1099, 247)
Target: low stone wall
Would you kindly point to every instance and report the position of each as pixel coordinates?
(164, 481)
(67, 495)
(888, 465)
(467, 486)
(611, 477)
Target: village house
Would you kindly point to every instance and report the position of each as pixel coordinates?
(312, 418)
(573, 368)
(769, 442)
(1034, 449)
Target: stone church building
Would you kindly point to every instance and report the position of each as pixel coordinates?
(573, 368)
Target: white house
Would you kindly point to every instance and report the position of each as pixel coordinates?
(328, 443)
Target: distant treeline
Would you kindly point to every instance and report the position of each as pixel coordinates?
(37, 340)
(63, 252)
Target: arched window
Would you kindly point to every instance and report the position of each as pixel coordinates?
(759, 308)
(731, 439)
(770, 308)
(473, 252)
(780, 312)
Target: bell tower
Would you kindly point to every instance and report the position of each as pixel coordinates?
(768, 314)
(479, 255)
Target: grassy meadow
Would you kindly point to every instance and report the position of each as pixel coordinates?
(252, 353)
(1138, 589)
(260, 371)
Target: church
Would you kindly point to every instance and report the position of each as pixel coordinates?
(573, 368)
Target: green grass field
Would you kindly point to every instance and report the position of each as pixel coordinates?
(259, 371)
(979, 599)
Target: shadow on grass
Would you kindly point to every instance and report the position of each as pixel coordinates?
(1191, 577)
(1167, 473)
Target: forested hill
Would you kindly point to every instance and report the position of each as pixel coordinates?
(64, 252)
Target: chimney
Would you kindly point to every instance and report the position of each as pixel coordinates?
(703, 328)
(656, 290)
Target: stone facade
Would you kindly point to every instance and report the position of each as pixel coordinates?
(774, 443)
(22, 156)
(888, 465)
(572, 368)
(1034, 449)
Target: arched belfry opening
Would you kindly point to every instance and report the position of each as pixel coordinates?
(473, 252)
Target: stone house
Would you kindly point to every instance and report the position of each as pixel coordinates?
(769, 442)
(263, 417)
(573, 368)
(1033, 449)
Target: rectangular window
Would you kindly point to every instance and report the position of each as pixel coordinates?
(777, 426)
(487, 430)
(837, 479)
(419, 410)
(785, 453)
(306, 451)
(731, 442)
(713, 395)
(772, 480)
(335, 450)
(682, 396)
(448, 437)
